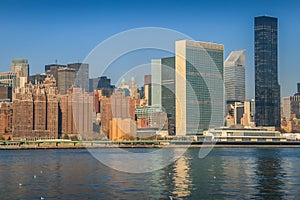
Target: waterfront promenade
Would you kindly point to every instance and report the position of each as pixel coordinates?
(56, 144)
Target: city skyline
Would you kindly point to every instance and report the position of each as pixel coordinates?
(67, 37)
(149, 99)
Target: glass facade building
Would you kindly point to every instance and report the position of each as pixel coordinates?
(163, 88)
(199, 87)
(168, 91)
(267, 89)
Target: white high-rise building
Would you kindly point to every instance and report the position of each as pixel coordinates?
(156, 82)
(234, 76)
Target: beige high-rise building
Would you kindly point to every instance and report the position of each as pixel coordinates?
(77, 111)
(83, 111)
(20, 66)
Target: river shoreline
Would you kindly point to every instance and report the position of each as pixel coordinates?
(93, 145)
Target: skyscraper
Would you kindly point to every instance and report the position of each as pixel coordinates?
(82, 75)
(234, 76)
(93, 83)
(156, 82)
(66, 79)
(163, 75)
(199, 86)
(20, 66)
(53, 69)
(104, 84)
(267, 89)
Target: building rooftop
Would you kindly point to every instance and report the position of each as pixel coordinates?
(235, 58)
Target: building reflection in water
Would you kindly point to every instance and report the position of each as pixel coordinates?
(181, 177)
(269, 174)
(237, 167)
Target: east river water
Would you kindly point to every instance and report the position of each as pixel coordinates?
(226, 173)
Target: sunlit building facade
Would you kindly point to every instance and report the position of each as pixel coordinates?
(199, 87)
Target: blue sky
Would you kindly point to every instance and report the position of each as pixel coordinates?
(44, 31)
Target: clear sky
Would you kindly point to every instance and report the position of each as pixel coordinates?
(47, 30)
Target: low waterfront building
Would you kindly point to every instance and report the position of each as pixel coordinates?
(258, 134)
(151, 133)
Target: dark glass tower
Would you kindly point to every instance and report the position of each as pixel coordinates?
(267, 89)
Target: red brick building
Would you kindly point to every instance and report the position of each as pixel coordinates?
(35, 114)
(6, 113)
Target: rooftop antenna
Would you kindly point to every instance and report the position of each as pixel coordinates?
(56, 61)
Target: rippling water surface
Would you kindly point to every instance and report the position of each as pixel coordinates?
(226, 173)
